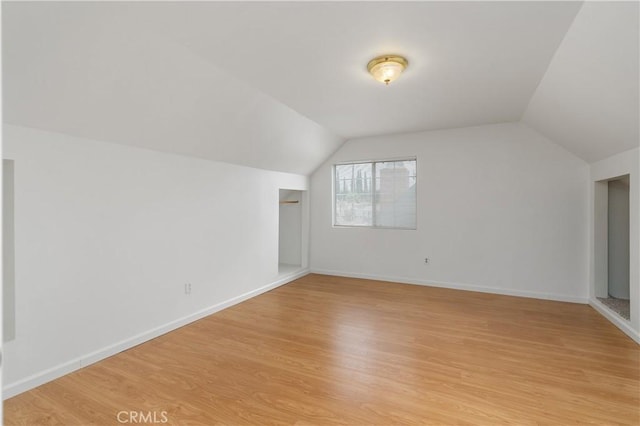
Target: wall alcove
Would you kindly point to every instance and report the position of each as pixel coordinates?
(290, 230)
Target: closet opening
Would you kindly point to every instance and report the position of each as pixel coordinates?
(290, 256)
(612, 245)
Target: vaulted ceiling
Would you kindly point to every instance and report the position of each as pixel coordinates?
(281, 85)
(588, 100)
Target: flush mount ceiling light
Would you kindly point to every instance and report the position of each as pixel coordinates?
(387, 68)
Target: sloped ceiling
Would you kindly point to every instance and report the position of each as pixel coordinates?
(272, 85)
(588, 100)
(85, 69)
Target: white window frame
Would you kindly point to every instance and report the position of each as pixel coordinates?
(373, 195)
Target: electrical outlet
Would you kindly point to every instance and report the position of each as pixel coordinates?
(187, 288)
(426, 260)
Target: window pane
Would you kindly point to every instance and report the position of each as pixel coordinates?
(395, 194)
(353, 192)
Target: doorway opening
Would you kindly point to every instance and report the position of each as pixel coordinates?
(290, 253)
(612, 267)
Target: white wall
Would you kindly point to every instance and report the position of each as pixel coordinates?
(500, 208)
(8, 275)
(625, 163)
(106, 236)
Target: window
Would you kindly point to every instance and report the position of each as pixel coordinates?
(380, 194)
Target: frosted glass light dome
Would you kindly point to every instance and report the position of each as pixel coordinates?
(387, 68)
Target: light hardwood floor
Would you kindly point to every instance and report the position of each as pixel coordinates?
(330, 350)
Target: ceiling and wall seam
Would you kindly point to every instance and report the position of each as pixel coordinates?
(549, 63)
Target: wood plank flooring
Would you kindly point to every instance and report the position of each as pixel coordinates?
(329, 350)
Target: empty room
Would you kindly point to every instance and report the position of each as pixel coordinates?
(320, 213)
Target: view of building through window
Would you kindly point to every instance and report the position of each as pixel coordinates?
(376, 194)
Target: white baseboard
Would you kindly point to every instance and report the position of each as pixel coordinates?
(40, 378)
(621, 323)
(458, 286)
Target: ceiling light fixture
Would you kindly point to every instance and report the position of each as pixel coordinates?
(387, 68)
